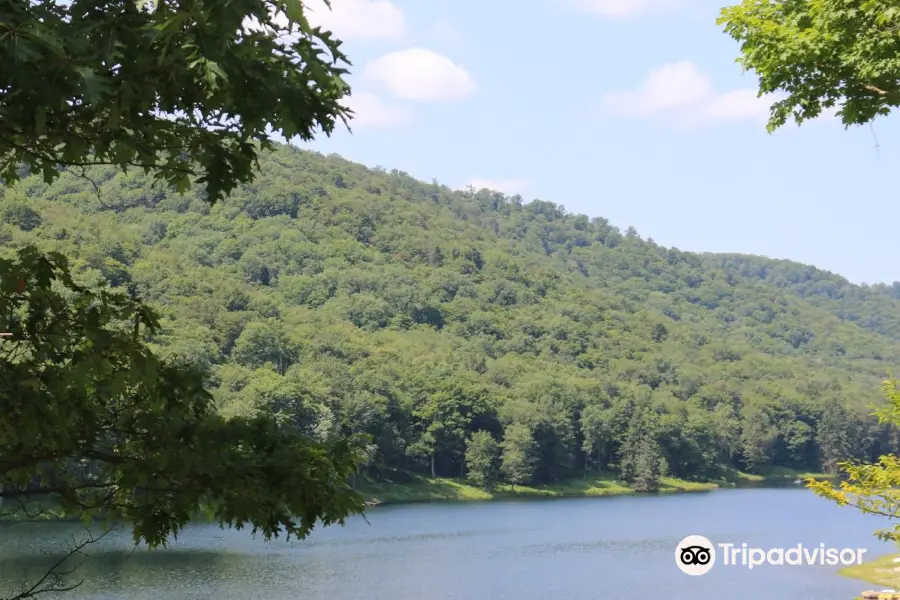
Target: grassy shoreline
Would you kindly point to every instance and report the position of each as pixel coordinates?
(881, 571)
(418, 489)
(425, 489)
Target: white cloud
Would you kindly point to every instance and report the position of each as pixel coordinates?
(370, 111)
(675, 86)
(684, 96)
(418, 74)
(358, 19)
(618, 9)
(737, 105)
(505, 186)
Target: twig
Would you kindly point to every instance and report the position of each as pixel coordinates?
(877, 145)
(84, 175)
(52, 579)
(872, 88)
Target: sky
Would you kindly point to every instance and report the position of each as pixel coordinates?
(632, 110)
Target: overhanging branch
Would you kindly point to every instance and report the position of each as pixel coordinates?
(52, 581)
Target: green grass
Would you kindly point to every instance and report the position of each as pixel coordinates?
(424, 489)
(773, 475)
(413, 488)
(880, 571)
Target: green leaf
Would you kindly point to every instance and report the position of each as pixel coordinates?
(93, 87)
(117, 94)
(40, 120)
(296, 14)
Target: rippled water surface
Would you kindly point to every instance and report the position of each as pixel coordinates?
(603, 548)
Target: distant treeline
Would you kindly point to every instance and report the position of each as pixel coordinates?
(469, 333)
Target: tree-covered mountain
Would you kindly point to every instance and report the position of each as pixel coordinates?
(355, 300)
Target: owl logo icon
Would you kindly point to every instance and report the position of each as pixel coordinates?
(695, 555)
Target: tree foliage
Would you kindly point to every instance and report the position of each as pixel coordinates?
(821, 54)
(642, 463)
(873, 488)
(483, 459)
(95, 421)
(180, 88)
(518, 457)
(371, 303)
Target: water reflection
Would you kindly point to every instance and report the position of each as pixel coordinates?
(606, 548)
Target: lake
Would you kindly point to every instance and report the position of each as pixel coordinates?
(604, 548)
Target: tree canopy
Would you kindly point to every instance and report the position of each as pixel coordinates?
(346, 300)
(92, 418)
(821, 54)
(184, 89)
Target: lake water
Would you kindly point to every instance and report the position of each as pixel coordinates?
(586, 548)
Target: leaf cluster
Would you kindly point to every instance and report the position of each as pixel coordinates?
(95, 421)
(183, 89)
(816, 55)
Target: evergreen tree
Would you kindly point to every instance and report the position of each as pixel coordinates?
(833, 437)
(649, 466)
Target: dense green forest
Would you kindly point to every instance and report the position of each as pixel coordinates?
(469, 333)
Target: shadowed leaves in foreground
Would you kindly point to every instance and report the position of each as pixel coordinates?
(180, 88)
(93, 420)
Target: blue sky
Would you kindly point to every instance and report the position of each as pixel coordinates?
(633, 110)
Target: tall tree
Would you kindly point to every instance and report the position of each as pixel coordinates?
(482, 459)
(518, 457)
(642, 462)
(597, 434)
(834, 437)
(820, 54)
(649, 466)
(758, 437)
(179, 88)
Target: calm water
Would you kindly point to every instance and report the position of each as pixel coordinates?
(604, 548)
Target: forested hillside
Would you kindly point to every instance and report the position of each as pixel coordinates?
(353, 300)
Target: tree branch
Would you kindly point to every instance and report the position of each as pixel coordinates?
(878, 91)
(54, 490)
(52, 579)
(23, 508)
(97, 163)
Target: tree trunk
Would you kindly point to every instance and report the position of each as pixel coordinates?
(433, 476)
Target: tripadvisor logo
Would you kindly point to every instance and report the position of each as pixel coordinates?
(696, 555)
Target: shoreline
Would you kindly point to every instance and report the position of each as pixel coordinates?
(881, 571)
(416, 489)
(420, 489)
